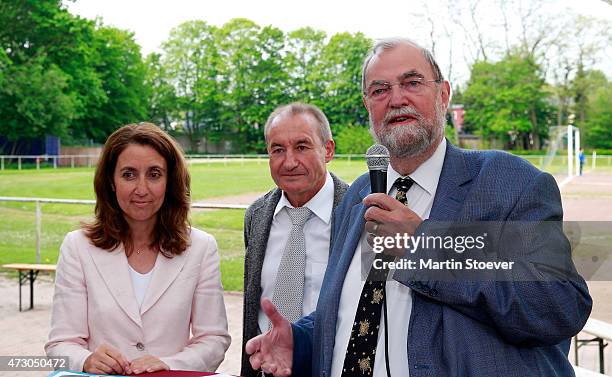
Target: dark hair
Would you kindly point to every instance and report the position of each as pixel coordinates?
(110, 229)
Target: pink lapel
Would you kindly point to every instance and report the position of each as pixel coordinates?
(165, 272)
(113, 268)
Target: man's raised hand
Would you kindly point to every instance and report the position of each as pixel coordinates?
(272, 351)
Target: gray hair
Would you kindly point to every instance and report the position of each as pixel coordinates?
(390, 43)
(297, 108)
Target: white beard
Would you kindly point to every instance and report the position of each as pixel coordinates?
(412, 139)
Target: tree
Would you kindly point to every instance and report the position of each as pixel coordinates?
(98, 68)
(507, 100)
(161, 95)
(340, 77)
(121, 70)
(192, 64)
(353, 140)
(43, 33)
(598, 125)
(253, 70)
(34, 102)
(304, 48)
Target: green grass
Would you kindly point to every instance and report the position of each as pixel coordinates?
(17, 224)
(17, 220)
(207, 180)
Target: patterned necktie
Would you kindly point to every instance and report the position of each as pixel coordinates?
(289, 289)
(361, 350)
(403, 185)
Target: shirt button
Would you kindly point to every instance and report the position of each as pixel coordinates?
(140, 346)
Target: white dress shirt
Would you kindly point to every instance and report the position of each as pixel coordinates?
(399, 297)
(317, 231)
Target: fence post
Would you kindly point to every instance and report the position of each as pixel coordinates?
(37, 163)
(54, 162)
(72, 161)
(38, 230)
(19, 163)
(2, 159)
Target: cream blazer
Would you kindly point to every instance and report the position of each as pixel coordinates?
(182, 319)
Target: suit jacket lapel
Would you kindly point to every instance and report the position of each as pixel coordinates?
(261, 224)
(339, 190)
(113, 269)
(353, 235)
(165, 272)
(451, 191)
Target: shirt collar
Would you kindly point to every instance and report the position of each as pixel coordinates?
(427, 174)
(321, 204)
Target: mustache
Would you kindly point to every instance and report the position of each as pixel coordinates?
(405, 110)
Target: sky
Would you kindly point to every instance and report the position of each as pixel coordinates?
(152, 20)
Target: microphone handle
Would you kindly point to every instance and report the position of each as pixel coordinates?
(378, 181)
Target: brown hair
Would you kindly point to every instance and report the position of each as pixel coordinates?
(110, 229)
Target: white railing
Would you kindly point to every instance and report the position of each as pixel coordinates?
(90, 160)
(38, 201)
(74, 160)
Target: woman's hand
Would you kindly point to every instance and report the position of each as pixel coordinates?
(106, 360)
(147, 364)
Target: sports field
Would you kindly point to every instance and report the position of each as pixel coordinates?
(229, 182)
(586, 198)
(216, 180)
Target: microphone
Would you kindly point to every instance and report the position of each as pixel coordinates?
(377, 158)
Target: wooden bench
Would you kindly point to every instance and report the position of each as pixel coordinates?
(602, 332)
(29, 271)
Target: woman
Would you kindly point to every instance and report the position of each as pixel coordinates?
(132, 286)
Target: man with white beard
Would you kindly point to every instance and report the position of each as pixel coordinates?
(406, 326)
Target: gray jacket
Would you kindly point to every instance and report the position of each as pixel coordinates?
(257, 224)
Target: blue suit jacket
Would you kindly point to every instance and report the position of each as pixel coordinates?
(485, 328)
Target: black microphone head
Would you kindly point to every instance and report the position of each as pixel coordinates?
(377, 157)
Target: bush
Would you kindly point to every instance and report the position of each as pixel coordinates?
(353, 140)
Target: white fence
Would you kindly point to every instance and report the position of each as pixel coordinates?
(89, 160)
(82, 160)
(38, 201)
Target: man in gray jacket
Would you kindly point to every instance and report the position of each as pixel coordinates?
(287, 231)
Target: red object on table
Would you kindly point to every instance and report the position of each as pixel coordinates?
(174, 373)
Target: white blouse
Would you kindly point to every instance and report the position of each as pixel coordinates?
(140, 282)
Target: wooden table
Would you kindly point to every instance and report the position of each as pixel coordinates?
(29, 271)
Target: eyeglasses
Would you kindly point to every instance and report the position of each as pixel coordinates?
(379, 91)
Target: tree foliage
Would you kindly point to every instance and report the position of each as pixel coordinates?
(34, 94)
(227, 80)
(598, 124)
(353, 140)
(507, 100)
(80, 79)
(191, 66)
(65, 76)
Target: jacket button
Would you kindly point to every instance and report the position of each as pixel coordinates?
(140, 346)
